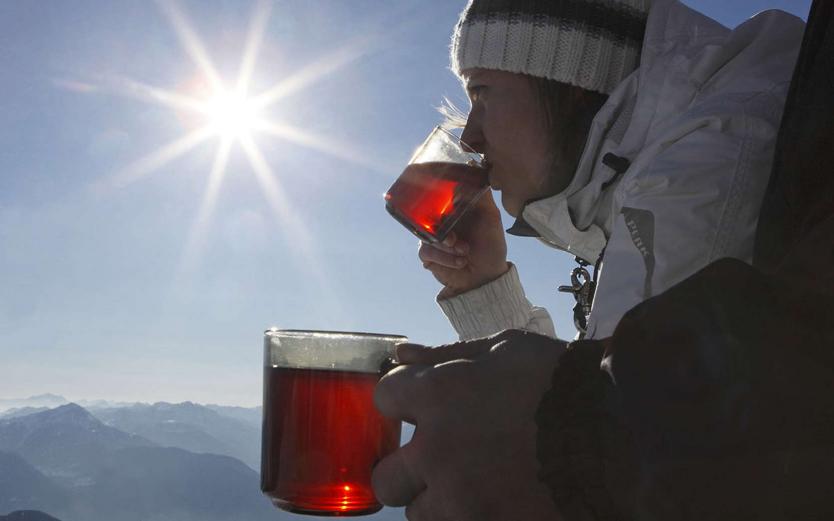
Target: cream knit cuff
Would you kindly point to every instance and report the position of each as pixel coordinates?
(488, 309)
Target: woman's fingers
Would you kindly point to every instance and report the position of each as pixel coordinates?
(454, 244)
(451, 244)
(432, 254)
(444, 275)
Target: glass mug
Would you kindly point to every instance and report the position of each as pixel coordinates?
(442, 181)
(322, 434)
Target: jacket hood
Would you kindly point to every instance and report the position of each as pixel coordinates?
(684, 55)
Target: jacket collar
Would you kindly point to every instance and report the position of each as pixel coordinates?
(579, 219)
(574, 220)
(522, 228)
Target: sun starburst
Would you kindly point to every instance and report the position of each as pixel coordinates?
(231, 115)
(228, 112)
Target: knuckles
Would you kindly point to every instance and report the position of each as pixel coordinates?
(525, 344)
(422, 250)
(507, 338)
(386, 393)
(407, 389)
(435, 386)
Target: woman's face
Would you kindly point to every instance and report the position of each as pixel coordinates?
(506, 123)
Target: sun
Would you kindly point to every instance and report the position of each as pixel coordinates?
(231, 115)
(226, 110)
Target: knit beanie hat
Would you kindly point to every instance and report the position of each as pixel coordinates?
(593, 44)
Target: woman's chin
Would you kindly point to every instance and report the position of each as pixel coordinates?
(511, 205)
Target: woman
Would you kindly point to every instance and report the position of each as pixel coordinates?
(649, 172)
(668, 177)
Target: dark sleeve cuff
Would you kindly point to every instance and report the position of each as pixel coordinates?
(582, 447)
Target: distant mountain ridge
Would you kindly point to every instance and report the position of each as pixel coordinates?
(86, 470)
(28, 515)
(197, 487)
(66, 461)
(23, 486)
(21, 411)
(213, 429)
(41, 400)
(250, 415)
(64, 442)
(189, 426)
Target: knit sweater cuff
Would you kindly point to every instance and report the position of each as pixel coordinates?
(490, 308)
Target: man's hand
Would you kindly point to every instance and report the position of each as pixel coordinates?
(473, 453)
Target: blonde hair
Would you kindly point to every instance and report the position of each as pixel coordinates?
(453, 117)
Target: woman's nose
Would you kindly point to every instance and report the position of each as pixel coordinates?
(472, 137)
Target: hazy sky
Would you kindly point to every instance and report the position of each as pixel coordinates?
(120, 279)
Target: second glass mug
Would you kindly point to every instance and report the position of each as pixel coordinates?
(322, 434)
(442, 181)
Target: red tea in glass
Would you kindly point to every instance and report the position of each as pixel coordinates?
(443, 180)
(322, 434)
(429, 198)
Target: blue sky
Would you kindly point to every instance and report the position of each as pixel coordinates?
(108, 291)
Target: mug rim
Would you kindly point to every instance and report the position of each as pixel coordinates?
(274, 330)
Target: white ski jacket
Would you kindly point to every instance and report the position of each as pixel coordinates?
(696, 124)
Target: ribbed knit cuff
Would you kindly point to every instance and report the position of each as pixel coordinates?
(490, 308)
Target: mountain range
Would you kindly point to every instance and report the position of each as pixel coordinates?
(68, 463)
(188, 426)
(23, 486)
(64, 443)
(140, 462)
(214, 429)
(28, 515)
(41, 400)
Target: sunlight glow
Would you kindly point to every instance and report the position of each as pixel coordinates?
(166, 98)
(318, 143)
(228, 111)
(196, 238)
(190, 41)
(164, 155)
(286, 216)
(313, 72)
(253, 44)
(231, 115)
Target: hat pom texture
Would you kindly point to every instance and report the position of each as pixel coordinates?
(593, 44)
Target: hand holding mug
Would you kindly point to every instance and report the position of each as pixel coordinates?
(473, 453)
(471, 255)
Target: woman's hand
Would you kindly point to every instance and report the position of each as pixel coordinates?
(472, 255)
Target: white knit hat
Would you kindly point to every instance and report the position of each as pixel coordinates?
(593, 44)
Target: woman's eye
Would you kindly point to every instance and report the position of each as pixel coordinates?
(476, 91)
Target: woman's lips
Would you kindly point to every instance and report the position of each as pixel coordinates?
(488, 166)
